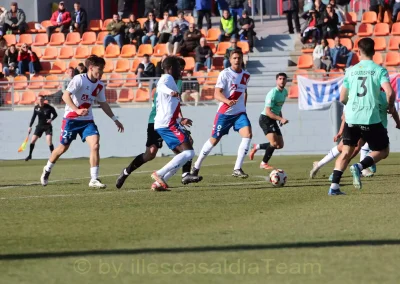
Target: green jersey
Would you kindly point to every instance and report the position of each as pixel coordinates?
(364, 81)
(275, 100)
(153, 111)
(383, 109)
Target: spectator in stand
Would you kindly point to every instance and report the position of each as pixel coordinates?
(124, 8)
(152, 6)
(226, 26)
(173, 45)
(150, 29)
(385, 7)
(236, 8)
(291, 9)
(164, 28)
(222, 6)
(3, 44)
(203, 56)
(26, 60)
(318, 7)
(146, 69)
(79, 19)
(3, 13)
(203, 8)
(322, 56)
(228, 51)
(116, 29)
(311, 30)
(80, 69)
(374, 6)
(10, 61)
(186, 6)
(170, 6)
(133, 31)
(37, 67)
(159, 67)
(15, 20)
(56, 98)
(190, 88)
(330, 25)
(181, 23)
(60, 19)
(340, 54)
(246, 25)
(396, 10)
(191, 40)
(339, 13)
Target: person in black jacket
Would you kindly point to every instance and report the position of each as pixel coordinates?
(175, 41)
(203, 56)
(124, 7)
(145, 69)
(153, 6)
(150, 30)
(79, 19)
(291, 8)
(10, 61)
(133, 31)
(46, 114)
(246, 25)
(331, 21)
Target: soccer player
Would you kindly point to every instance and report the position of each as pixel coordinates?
(79, 97)
(154, 142)
(361, 95)
(167, 124)
(269, 118)
(46, 114)
(231, 92)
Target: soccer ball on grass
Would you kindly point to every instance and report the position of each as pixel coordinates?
(278, 178)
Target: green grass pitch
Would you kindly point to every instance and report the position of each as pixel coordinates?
(222, 230)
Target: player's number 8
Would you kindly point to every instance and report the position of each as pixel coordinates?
(364, 92)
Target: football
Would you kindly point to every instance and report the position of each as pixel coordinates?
(278, 178)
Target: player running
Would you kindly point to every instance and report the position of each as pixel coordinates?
(46, 114)
(271, 114)
(167, 124)
(79, 97)
(231, 92)
(361, 94)
(154, 142)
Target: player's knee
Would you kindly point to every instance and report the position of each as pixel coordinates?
(385, 153)
(189, 154)
(96, 147)
(214, 141)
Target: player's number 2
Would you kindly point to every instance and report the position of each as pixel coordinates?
(67, 134)
(364, 88)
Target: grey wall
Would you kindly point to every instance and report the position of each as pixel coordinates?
(307, 132)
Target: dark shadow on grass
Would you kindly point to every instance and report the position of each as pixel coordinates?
(202, 249)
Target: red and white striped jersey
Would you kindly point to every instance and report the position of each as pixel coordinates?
(84, 93)
(234, 86)
(168, 107)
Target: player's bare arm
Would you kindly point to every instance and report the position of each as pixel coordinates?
(274, 116)
(67, 99)
(390, 96)
(284, 120)
(344, 95)
(245, 97)
(107, 110)
(340, 133)
(396, 119)
(219, 96)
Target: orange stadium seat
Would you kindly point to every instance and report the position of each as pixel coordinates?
(10, 39)
(4, 83)
(365, 30)
(36, 82)
(98, 50)
(88, 38)
(105, 23)
(305, 61)
(74, 63)
(58, 67)
(142, 95)
(299, 72)
(112, 51)
(155, 60)
(355, 47)
(25, 39)
(381, 29)
(95, 25)
(331, 43)
(319, 74)
(203, 33)
(207, 93)
(81, 52)
(392, 70)
(46, 66)
(355, 59)
(125, 96)
(41, 40)
(392, 58)
(244, 46)
(145, 49)
(8, 98)
(141, 21)
(217, 63)
(66, 52)
(115, 81)
(293, 92)
(394, 43)
(369, 17)
(160, 49)
(135, 64)
(57, 39)
(212, 46)
(377, 58)
(38, 51)
(131, 81)
(213, 34)
(347, 43)
(50, 52)
(109, 66)
(396, 29)
(45, 24)
(212, 77)
(222, 47)
(380, 43)
(351, 18)
(200, 76)
(100, 37)
(111, 95)
(52, 82)
(31, 28)
(190, 19)
(122, 65)
(73, 38)
(189, 63)
(27, 98)
(128, 51)
(20, 82)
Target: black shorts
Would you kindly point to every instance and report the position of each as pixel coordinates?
(269, 125)
(153, 138)
(48, 129)
(375, 135)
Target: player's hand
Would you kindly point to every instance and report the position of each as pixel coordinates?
(29, 130)
(174, 94)
(82, 112)
(49, 121)
(232, 102)
(391, 109)
(337, 137)
(120, 126)
(284, 121)
(186, 122)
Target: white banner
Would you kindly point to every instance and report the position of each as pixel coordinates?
(318, 95)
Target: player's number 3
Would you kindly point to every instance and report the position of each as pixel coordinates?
(364, 88)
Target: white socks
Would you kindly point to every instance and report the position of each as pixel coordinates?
(94, 173)
(242, 152)
(177, 162)
(333, 153)
(207, 147)
(49, 166)
(168, 175)
(364, 151)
